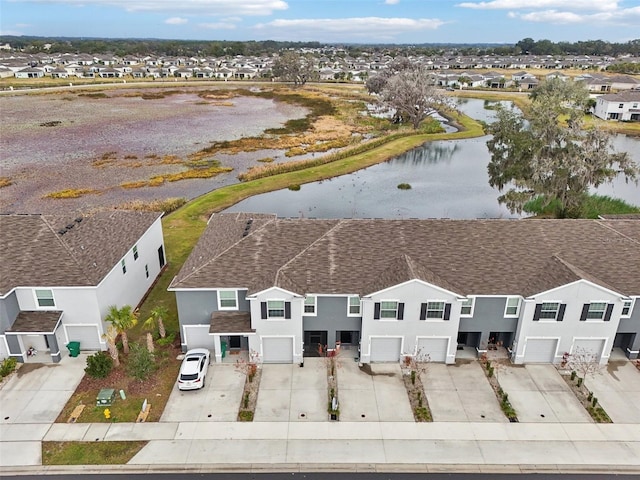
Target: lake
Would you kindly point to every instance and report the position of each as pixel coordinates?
(449, 179)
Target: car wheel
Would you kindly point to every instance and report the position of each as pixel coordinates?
(204, 381)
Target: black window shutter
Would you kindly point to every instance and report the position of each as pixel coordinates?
(447, 311)
(536, 314)
(585, 310)
(400, 311)
(607, 315)
(287, 309)
(376, 311)
(423, 311)
(263, 309)
(563, 307)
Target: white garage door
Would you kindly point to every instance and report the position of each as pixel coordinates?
(540, 350)
(385, 349)
(197, 336)
(4, 353)
(87, 335)
(434, 348)
(277, 350)
(590, 350)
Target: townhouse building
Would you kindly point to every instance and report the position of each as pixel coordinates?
(623, 106)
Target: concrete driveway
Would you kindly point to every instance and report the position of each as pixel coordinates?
(38, 392)
(617, 387)
(290, 393)
(539, 394)
(373, 393)
(218, 401)
(461, 393)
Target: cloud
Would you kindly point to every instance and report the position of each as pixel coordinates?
(628, 16)
(391, 2)
(588, 5)
(217, 26)
(176, 21)
(183, 7)
(346, 28)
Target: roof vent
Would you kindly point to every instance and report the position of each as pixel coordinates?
(78, 220)
(62, 231)
(70, 226)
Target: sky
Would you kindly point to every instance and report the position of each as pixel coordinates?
(328, 21)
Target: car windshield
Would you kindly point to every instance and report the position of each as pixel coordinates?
(188, 376)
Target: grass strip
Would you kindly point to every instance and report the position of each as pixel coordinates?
(89, 453)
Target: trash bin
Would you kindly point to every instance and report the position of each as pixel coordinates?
(223, 346)
(74, 349)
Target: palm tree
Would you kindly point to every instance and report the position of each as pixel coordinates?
(158, 315)
(110, 336)
(122, 319)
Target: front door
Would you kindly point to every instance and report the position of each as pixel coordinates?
(235, 342)
(346, 337)
(313, 339)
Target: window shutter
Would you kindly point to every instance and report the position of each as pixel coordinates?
(263, 309)
(400, 311)
(447, 311)
(536, 314)
(376, 311)
(287, 309)
(585, 311)
(607, 315)
(563, 307)
(423, 311)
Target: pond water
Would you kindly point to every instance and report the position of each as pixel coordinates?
(448, 178)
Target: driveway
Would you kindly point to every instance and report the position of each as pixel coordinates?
(617, 387)
(290, 393)
(38, 392)
(373, 393)
(460, 393)
(539, 394)
(218, 401)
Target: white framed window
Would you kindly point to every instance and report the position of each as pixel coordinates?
(549, 310)
(135, 252)
(627, 308)
(435, 310)
(310, 305)
(467, 307)
(389, 310)
(123, 264)
(275, 308)
(227, 299)
(596, 311)
(353, 307)
(512, 307)
(44, 298)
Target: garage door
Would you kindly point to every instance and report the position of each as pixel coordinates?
(197, 336)
(590, 350)
(385, 349)
(277, 350)
(540, 350)
(87, 335)
(435, 348)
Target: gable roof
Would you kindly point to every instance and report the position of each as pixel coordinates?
(65, 250)
(468, 257)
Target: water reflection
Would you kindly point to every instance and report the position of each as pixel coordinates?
(429, 154)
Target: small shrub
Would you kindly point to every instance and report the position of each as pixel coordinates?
(579, 381)
(404, 186)
(490, 372)
(7, 366)
(99, 365)
(251, 373)
(245, 402)
(141, 363)
(245, 416)
(413, 377)
(295, 187)
(594, 401)
(168, 340)
(573, 375)
(590, 396)
(422, 414)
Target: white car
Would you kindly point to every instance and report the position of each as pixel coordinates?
(193, 371)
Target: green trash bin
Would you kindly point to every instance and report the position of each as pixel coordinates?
(74, 349)
(223, 346)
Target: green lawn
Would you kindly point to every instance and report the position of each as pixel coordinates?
(89, 453)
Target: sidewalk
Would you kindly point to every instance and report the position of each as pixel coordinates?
(331, 445)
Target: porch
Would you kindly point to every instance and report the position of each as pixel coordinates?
(231, 332)
(33, 337)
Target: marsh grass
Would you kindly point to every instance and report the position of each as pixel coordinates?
(167, 205)
(593, 207)
(5, 182)
(71, 193)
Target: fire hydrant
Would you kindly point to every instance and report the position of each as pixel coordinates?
(107, 413)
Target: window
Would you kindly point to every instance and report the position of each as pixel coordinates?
(512, 307)
(275, 308)
(626, 308)
(227, 299)
(549, 310)
(389, 310)
(135, 252)
(310, 305)
(45, 298)
(621, 105)
(596, 311)
(467, 307)
(146, 270)
(354, 306)
(435, 310)
(124, 266)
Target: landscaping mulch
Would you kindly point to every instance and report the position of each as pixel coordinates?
(250, 394)
(417, 396)
(586, 398)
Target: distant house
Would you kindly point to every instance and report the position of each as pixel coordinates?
(30, 72)
(623, 106)
(61, 273)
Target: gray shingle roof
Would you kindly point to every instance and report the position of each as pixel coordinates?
(35, 253)
(481, 257)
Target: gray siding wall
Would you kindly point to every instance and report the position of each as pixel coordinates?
(196, 307)
(9, 310)
(632, 325)
(488, 316)
(14, 346)
(331, 316)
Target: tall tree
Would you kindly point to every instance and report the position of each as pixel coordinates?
(293, 67)
(122, 319)
(544, 156)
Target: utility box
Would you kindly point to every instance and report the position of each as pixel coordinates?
(105, 397)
